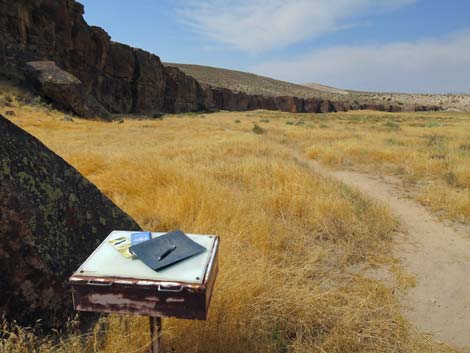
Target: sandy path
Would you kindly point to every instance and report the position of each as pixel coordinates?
(437, 254)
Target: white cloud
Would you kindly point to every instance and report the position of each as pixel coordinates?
(436, 65)
(259, 25)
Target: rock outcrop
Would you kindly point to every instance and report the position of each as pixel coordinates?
(64, 89)
(182, 92)
(51, 219)
(122, 79)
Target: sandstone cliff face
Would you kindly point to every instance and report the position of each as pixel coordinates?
(51, 219)
(123, 79)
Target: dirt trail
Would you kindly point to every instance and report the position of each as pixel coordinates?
(437, 254)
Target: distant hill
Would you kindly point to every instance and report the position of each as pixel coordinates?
(249, 83)
(255, 84)
(326, 89)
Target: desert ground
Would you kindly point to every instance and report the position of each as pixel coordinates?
(339, 232)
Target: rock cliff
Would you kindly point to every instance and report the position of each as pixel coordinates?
(64, 89)
(120, 78)
(51, 219)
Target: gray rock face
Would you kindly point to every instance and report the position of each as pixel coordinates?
(64, 89)
(51, 219)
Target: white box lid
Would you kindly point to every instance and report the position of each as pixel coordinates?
(106, 261)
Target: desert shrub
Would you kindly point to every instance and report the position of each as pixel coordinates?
(395, 142)
(418, 125)
(440, 156)
(24, 98)
(450, 178)
(465, 147)
(188, 115)
(8, 98)
(41, 103)
(6, 101)
(391, 125)
(435, 140)
(258, 129)
(37, 100)
(158, 115)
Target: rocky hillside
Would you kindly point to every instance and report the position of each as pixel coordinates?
(255, 84)
(240, 81)
(457, 102)
(48, 44)
(326, 89)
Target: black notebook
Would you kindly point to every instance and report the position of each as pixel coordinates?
(166, 250)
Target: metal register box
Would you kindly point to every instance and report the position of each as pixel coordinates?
(109, 282)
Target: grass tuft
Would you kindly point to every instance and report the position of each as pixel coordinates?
(258, 129)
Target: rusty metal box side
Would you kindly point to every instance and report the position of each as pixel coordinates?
(145, 300)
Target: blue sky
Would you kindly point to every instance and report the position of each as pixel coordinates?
(379, 45)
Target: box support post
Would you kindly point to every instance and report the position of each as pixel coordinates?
(155, 324)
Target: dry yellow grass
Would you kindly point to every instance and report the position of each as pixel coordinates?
(294, 289)
(429, 151)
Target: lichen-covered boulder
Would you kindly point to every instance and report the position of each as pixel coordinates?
(51, 219)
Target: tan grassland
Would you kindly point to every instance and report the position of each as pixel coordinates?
(290, 239)
(430, 152)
